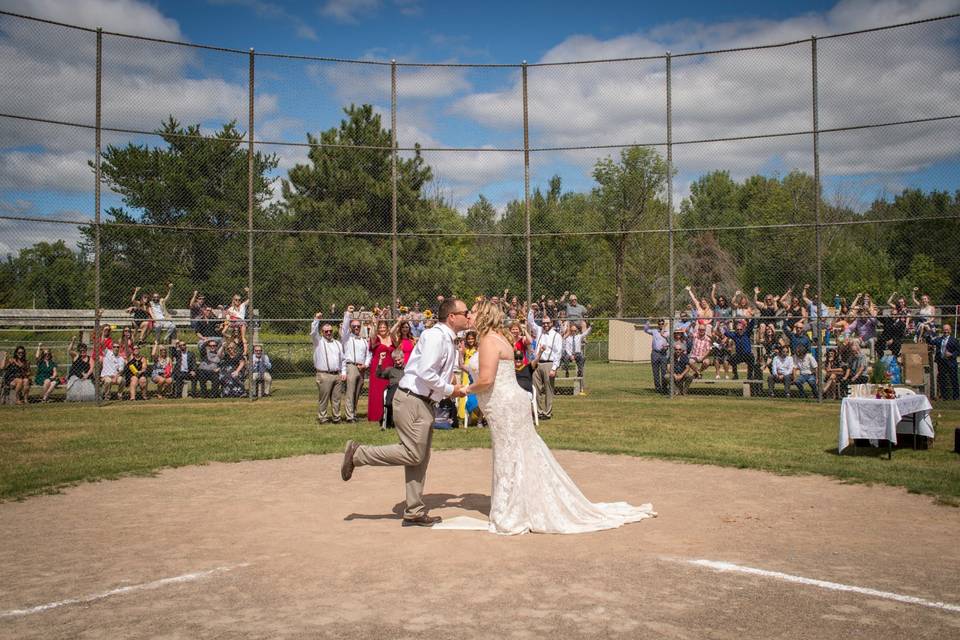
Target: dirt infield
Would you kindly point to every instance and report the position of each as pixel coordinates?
(283, 548)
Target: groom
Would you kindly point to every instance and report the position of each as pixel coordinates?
(426, 381)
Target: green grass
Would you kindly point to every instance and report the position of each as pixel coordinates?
(45, 447)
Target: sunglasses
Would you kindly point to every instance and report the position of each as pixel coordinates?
(459, 313)
(354, 326)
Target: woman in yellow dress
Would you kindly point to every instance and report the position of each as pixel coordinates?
(467, 349)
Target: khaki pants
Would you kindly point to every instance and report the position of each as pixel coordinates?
(413, 419)
(544, 386)
(261, 383)
(328, 385)
(354, 387)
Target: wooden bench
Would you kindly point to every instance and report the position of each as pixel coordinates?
(560, 385)
(73, 319)
(745, 383)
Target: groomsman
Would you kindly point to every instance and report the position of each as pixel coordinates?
(356, 356)
(573, 346)
(947, 347)
(548, 355)
(330, 367)
(659, 354)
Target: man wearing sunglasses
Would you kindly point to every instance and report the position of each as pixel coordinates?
(330, 367)
(426, 380)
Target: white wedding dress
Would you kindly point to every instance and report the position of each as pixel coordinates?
(531, 491)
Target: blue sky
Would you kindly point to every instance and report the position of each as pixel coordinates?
(488, 32)
(883, 77)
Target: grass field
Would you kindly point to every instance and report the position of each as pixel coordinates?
(45, 447)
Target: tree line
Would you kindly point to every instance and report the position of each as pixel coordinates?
(326, 232)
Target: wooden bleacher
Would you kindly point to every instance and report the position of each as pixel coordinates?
(73, 319)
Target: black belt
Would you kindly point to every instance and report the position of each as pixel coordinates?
(321, 371)
(544, 360)
(426, 399)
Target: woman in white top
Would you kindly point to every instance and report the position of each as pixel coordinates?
(235, 317)
(926, 313)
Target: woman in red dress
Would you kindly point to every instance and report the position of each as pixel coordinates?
(381, 346)
(403, 338)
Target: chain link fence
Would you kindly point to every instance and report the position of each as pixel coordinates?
(780, 191)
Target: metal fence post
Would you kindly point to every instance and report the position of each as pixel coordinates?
(250, 157)
(393, 183)
(671, 285)
(526, 185)
(96, 221)
(821, 350)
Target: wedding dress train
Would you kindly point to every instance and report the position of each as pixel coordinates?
(531, 491)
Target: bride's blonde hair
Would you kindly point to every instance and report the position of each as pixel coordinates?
(488, 317)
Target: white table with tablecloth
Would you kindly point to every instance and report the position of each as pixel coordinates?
(874, 419)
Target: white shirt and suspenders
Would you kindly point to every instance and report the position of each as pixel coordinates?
(573, 344)
(428, 372)
(549, 344)
(327, 352)
(356, 350)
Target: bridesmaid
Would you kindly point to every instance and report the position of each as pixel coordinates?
(467, 349)
(381, 346)
(403, 338)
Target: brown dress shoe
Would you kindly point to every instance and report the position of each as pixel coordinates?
(346, 469)
(421, 521)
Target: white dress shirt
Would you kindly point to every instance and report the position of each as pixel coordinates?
(807, 366)
(549, 344)
(356, 350)
(782, 366)
(327, 352)
(112, 365)
(573, 344)
(430, 368)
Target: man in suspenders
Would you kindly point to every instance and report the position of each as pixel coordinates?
(356, 356)
(549, 352)
(330, 367)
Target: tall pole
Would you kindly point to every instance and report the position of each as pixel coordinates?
(816, 209)
(526, 185)
(393, 183)
(250, 158)
(670, 300)
(96, 346)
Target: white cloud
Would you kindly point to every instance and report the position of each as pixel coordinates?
(885, 76)
(124, 16)
(369, 83)
(347, 10)
(49, 72)
(16, 235)
(21, 170)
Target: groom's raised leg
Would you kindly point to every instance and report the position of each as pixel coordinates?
(413, 420)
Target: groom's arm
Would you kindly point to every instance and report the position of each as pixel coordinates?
(430, 355)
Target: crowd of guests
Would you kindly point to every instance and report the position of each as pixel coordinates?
(132, 367)
(374, 346)
(780, 338)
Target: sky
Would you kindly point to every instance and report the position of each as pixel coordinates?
(881, 77)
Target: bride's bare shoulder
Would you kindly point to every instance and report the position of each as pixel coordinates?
(495, 342)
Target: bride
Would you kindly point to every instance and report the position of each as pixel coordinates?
(531, 491)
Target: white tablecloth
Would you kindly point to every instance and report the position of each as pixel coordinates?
(883, 419)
